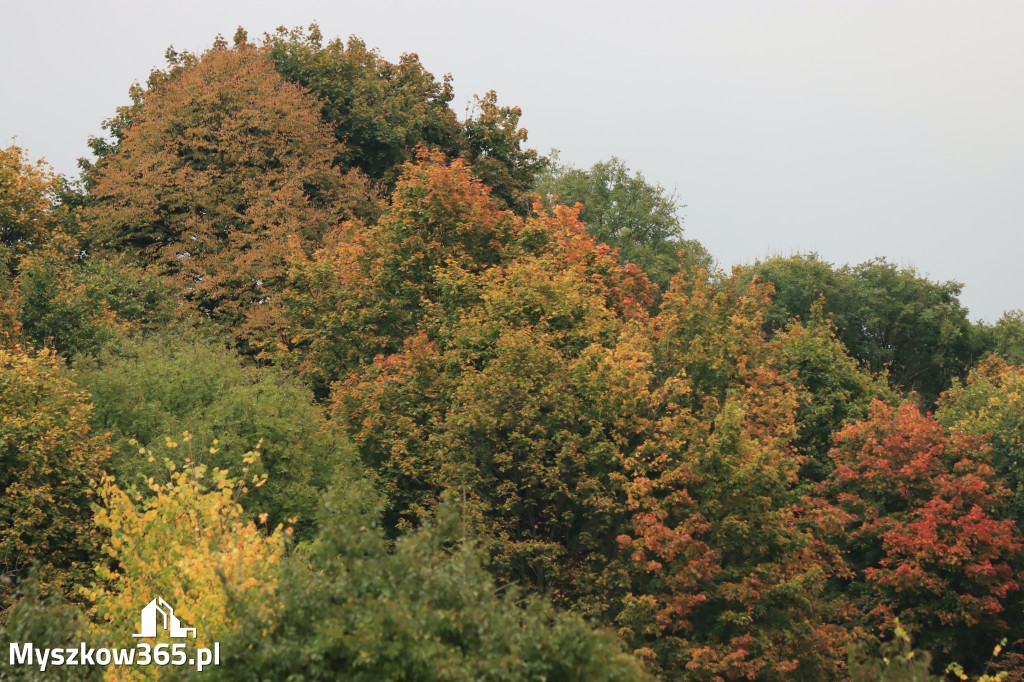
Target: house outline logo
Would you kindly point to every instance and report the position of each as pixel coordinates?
(170, 622)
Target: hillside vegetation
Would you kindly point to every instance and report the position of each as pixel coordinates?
(370, 392)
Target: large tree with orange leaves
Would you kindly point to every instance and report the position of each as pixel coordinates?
(220, 171)
(487, 330)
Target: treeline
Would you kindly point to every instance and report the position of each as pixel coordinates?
(370, 392)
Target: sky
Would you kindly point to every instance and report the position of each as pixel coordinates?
(856, 129)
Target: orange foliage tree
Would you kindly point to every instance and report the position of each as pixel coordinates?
(368, 288)
(220, 171)
(485, 387)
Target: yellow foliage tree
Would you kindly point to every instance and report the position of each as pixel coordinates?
(49, 457)
(190, 543)
(29, 212)
(28, 199)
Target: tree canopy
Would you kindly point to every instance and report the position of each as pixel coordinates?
(223, 170)
(891, 319)
(371, 391)
(625, 211)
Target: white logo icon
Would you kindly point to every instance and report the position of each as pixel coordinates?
(170, 621)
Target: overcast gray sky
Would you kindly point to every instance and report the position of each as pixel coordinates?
(855, 129)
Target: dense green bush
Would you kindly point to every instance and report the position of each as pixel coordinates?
(45, 622)
(176, 389)
(428, 610)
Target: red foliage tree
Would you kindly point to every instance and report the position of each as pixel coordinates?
(920, 511)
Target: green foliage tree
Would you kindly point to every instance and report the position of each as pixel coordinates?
(832, 388)
(77, 305)
(150, 391)
(1006, 337)
(492, 141)
(624, 211)
(49, 459)
(891, 319)
(46, 622)
(379, 111)
(425, 610)
(894, 661)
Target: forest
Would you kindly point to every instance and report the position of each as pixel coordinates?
(369, 391)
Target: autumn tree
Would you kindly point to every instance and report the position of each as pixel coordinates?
(921, 511)
(379, 112)
(728, 579)
(10, 327)
(493, 398)
(50, 458)
(30, 209)
(189, 542)
(368, 288)
(218, 174)
(990, 404)
(533, 385)
(52, 293)
(30, 212)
